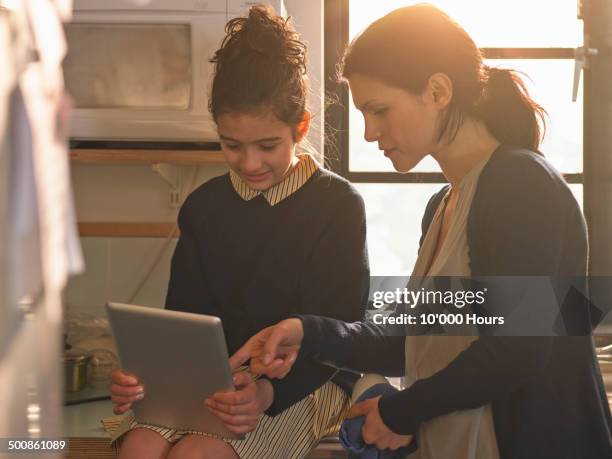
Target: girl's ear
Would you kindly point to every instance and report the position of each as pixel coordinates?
(302, 127)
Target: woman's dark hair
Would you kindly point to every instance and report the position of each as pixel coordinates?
(261, 65)
(407, 46)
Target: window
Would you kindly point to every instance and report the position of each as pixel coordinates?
(523, 35)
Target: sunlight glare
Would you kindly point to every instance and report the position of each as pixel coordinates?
(492, 23)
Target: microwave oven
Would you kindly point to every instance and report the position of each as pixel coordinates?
(139, 70)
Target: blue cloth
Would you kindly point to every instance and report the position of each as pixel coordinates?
(350, 432)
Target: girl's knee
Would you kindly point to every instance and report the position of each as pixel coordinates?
(201, 447)
(143, 443)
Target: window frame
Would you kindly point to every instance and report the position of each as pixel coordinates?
(336, 19)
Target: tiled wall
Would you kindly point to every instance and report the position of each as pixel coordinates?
(116, 265)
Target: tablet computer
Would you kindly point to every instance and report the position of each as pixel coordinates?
(180, 358)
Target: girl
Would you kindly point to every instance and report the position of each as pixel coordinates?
(506, 212)
(276, 236)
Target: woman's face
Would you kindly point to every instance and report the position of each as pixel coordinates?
(258, 147)
(403, 124)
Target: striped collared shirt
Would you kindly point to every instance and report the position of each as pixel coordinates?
(292, 182)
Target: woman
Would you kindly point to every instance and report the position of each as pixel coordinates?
(506, 212)
(276, 236)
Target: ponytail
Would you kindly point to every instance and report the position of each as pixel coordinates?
(508, 111)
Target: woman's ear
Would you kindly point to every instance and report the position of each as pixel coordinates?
(439, 90)
(302, 127)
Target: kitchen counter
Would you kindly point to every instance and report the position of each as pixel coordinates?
(83, 419)
(86, 435)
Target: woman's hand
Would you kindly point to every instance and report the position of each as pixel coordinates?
(240, 410)
(125, 390)
(273, 350)
(374, 430)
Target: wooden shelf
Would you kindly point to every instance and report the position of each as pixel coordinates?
(127, 229)
(149, 156)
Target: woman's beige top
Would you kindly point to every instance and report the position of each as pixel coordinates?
(463, 434)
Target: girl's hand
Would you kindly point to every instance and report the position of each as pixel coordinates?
(240, 410)
(125, 390)
(273, 350)
(374, 430)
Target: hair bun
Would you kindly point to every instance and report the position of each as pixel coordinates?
(264, 33)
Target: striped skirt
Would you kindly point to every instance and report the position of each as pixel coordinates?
(291, 434)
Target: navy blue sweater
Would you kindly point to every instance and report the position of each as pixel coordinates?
(547, 393)
(252, 265)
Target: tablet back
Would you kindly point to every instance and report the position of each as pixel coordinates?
(180, 358)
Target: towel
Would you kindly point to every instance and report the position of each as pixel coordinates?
(350, 432)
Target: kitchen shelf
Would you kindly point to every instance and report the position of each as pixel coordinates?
(127, 229)
(146, 156)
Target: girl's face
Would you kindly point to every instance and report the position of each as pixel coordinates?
(258, 147)
(403, 124)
